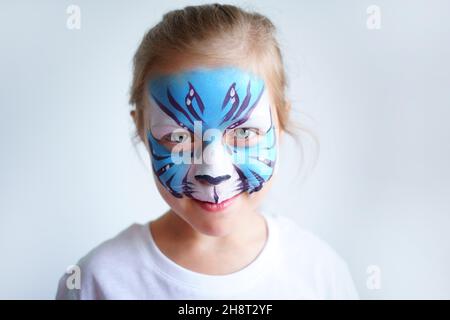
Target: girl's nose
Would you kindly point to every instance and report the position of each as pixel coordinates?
(206, 178)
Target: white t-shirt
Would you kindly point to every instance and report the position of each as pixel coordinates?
(294, 264)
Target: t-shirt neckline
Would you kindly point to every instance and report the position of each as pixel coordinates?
(235, 281)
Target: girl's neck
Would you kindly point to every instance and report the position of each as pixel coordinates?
(247, 229)
(199, 252)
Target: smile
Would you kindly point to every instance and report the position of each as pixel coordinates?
(216, 207)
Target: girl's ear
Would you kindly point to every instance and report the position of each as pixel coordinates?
(288, 106)
(137, 119)
(287, 110)
(133, 115)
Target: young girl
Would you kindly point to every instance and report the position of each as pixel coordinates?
(209, 96)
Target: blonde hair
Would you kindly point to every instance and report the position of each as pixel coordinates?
(220, 33)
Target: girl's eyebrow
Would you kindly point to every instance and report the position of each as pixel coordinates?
(161, 130)
(258, 120)
(169, 125)
(248, 110)
(170, 114)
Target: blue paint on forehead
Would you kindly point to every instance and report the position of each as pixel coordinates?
(212, 100)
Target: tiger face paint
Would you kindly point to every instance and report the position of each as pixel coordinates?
(211, 134)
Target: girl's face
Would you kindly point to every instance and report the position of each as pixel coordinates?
(212, 137)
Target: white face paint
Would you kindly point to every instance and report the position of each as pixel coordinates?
(224, 116)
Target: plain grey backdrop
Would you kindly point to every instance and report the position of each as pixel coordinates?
(378, 101)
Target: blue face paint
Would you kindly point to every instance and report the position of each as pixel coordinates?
(224, 102)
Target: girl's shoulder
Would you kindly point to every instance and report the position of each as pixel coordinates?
(121, 254)
(297, 238)
(123, 246)
(305, 253)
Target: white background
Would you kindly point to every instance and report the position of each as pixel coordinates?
(377, 100)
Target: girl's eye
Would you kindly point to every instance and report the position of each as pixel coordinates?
(244, 133)
(243, 137)
(177, 137)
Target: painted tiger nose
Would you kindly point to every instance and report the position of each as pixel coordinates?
(212, 180)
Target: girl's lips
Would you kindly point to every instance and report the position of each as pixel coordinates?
(215, 207)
